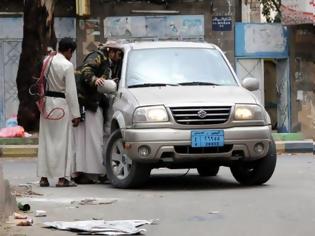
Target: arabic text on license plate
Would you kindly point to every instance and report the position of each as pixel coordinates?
(207, 138)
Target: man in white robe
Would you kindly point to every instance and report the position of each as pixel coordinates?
(60, 114)
(89, 136)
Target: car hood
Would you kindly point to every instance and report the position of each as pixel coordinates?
(192, 95)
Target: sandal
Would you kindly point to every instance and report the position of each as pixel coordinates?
(43, 182)
(65, 183)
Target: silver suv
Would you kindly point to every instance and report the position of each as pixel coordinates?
(180, 105)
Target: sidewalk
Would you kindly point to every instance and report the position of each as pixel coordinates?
(293, 143)
(27, 147)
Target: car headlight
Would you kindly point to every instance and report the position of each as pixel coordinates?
(150, 114)
(248, 112)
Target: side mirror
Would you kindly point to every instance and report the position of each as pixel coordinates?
(109, 87)
(252, 84)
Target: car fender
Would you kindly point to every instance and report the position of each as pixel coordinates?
(119, 119)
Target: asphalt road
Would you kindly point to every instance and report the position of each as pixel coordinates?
(184, 204)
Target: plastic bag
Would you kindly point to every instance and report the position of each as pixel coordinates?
(11, 132)
(11, 122)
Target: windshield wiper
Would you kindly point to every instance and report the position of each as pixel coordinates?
(197, 83)
(150, 85)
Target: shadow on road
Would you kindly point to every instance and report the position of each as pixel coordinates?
(160, 182)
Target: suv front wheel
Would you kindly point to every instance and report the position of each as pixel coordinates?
(121, 170)
(256, 172)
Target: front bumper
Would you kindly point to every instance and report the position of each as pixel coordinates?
(174, 145)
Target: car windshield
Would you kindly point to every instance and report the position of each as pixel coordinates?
(177, 67)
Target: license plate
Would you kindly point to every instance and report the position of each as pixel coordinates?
(207, 138)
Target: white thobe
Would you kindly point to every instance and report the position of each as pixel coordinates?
(56, 140)
(89, 144)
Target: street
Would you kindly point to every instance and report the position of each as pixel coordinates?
(184, 204)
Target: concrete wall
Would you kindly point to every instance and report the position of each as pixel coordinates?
(302, 74)
(7, 201)
(251, 11)
(100, 10)
(10, 49)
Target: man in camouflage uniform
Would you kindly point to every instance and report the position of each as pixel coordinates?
(95, 70)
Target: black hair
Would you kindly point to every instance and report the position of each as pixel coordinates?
(113, 49)
(67, 43)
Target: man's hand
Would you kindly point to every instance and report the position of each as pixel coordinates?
(76, 122)
(99, 81)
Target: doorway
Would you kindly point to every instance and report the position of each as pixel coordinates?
(270, 91)
(277, 93)
(274, 87)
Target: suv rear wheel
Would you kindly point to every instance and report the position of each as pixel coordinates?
(206, 171)
(121, 170)
(256, 172)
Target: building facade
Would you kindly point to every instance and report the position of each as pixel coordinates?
(215, 19)
(299, 17)
(209, 20)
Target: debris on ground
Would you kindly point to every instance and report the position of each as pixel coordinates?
(72, 207)
(102, 227)
(94, 201)
(27, 135)
(214, 212)
(19, 216)
(27, 222)
(33, 183)
(12, 132)
(19, 219)
(23, 207)
(12, 129)
(40, 213)
(12, 121)
(23, 190)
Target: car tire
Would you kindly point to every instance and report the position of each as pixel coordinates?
(207, 171)
(256, 172)
(122, 172)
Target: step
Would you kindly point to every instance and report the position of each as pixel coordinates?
(18, 150)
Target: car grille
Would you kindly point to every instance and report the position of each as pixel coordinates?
(201, 115)
(201, 150)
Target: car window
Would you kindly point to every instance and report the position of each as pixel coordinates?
(178, 65)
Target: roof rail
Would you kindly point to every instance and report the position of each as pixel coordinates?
(151, 39)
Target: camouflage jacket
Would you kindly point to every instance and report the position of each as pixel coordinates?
(95, 64)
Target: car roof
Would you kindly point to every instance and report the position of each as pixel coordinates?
(170, 44)
(159, 44)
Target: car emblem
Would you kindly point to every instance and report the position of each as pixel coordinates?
(202, 114)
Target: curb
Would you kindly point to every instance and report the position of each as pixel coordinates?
(305, 146)
(19, 141)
